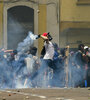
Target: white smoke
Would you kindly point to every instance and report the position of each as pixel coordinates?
(26, 44)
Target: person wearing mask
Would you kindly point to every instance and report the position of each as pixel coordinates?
(47, 60)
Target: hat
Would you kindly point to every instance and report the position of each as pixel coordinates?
(85, 47)
(44, 34)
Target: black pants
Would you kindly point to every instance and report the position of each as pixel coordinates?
(47, 63)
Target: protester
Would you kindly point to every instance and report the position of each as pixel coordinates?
(58, 67)
(88, 71)
(29, 72)
(32, 65)
(49, 52)
(56, 56)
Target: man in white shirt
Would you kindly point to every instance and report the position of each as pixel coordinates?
(49, 51)
(47, 61)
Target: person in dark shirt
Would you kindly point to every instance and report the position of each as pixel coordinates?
(80, 61)
(79, 58)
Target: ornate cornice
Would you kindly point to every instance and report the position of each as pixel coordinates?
(13, 1)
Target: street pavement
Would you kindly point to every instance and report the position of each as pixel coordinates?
(45, 94)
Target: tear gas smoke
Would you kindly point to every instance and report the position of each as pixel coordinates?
(22, 72)
(14, 72)
(26, 44)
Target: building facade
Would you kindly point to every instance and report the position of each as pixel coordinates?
(74, 22)
(68, 21)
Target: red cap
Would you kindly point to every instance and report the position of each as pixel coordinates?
(44, 34)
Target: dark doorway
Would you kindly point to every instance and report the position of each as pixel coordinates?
(20, 20)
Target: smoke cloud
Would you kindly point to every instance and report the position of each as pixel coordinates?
(27, 43)
(24, 71)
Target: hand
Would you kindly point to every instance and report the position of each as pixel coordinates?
(38, 36)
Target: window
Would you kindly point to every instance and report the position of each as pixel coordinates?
(83, 2)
